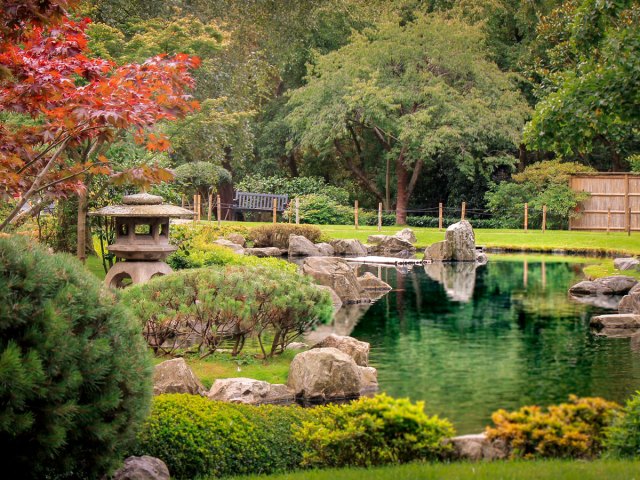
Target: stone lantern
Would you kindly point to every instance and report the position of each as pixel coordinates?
(142, 238)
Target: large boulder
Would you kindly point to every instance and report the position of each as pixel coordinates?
(337, 274)
(325, 249)
(231, 245)
(349, 246)
(407, 235)
(356, 349)
(324, 373)
(248, 390)
(629, 263)
(335, 299)
(613, 285)
(459, 245)
(237, 239)
(175, 376)
(300, 246)
(265, 252)
(390, 246)
(623, 321)
(477, 447)
(142, 468)
(630, 303)
(368, 380)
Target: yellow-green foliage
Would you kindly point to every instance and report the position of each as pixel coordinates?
(373, 431)
(195, 436)
(278, 235)
(568, 430)
(623, 436)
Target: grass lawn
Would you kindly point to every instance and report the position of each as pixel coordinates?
(516, 470)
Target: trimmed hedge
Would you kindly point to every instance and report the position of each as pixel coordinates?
(196, 437)
(75, 374)
(432, 222)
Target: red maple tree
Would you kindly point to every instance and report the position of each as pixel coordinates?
(75, 103)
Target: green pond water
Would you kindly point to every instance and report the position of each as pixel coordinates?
(468, 341)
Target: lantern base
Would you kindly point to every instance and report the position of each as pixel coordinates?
(123, 274)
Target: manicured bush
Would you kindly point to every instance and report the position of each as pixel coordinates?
(320, 209)
(373, 431)
(74, 370)
(569, 430)
(278, 235)
(195, 436)
(432, 222)
(623, 436)
(197, 310)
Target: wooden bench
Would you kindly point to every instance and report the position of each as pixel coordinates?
(258, 202)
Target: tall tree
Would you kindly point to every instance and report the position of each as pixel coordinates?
(398, 97)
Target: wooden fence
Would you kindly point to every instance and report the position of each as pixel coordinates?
(613, 203)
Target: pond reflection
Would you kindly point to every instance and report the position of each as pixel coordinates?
(468, 341)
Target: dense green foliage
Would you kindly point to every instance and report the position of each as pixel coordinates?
(196, 437)
(540, 184)
(198, 310)
(294, 187)
(199, 437)
(320, 209)
(569, 430)
(373, 431)
(623, 436)
(74, 371)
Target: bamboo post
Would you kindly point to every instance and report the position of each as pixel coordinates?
(608, 220)
(209, 207)
(199, 206)
(464, 210)
(544, 218)
(275, 212)
(379, 216)
(195, 208)
(297, 211)
(440, 216)
(219, 207)
(355, 213)
(526, 217)
(629, 221)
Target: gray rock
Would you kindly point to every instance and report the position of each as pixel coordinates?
(265, 252)
(625, 321)
(237, 239)
(335, 299)
(175, 376)
(626, 263)
(369, 380)
(337, 274)
(142, 468)
(349, 247)
(607, 302)
(630, 303)
(375, 239)
(297, 346)
(248, 390)
(407, 235)
(229, 244)
(438, 252)
(481, 258)
(632, 333)
(477, 447)
(613, 285)
(325, 249)
(324, 373)
(459, 245)
(393, 246)
(371, 283)
(300, 246)
(356, 349)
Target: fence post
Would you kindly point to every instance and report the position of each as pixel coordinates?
(440, 216)
(199, 207)
(379, 216)
(629, 221)
(544, 218)
(608, 220)
(297, 211)
(526, 217)
(355, 213)
(195, 208)
(209, 207)
(219, 208)
(464, 210)
(275, 211)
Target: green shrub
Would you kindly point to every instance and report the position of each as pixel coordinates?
(277, 235)
(569, 430)
(371, 218)
(320, 209)
(195, 436)
(623, 437)
(373, 431)
(432, 222)
(294, 187)
(74, 371)
(200, 309)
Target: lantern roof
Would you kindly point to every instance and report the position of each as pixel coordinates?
(143, 205)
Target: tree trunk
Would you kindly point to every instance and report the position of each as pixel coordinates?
(83, 209)
(522, 157)
(402, 197)
(225, 190)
